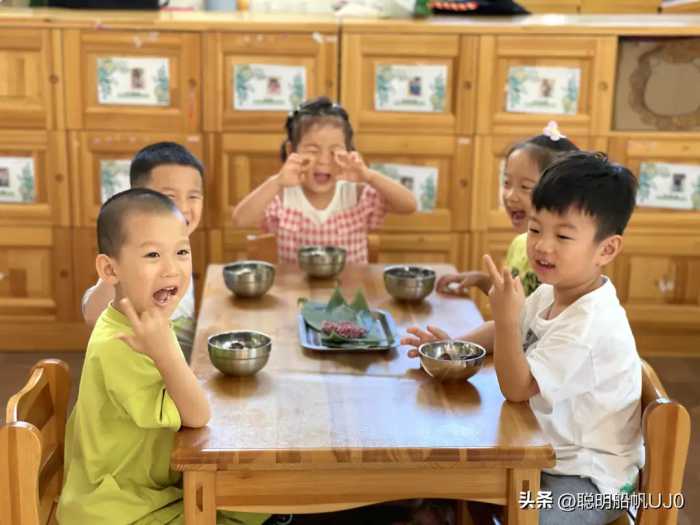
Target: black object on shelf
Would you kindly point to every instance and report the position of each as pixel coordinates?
(477, 7)
(109, 4)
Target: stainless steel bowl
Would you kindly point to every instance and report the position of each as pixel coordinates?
(249, 278)
(322, 261)
(409, 283)
(465, 359)
(239, 353)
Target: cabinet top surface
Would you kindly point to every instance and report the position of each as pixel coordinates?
(640, 24)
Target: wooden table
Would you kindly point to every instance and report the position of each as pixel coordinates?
(315, 432)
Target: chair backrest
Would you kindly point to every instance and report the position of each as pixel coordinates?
(666, 431)
(31, 446)
(263, 247)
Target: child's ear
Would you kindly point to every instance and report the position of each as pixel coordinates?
(106, 269)
(609, 249)
(288, 148)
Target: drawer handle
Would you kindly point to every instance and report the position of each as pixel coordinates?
(467, 84)
(53, 78)
(603, 85)
(665, 285)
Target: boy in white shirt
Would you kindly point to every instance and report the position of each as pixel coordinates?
(568, 349)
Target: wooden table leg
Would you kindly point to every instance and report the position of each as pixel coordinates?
(200, 497)
(522, 481)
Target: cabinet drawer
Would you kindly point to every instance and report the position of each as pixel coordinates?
(419, 247)
(132, 80)
(253, 80)
(669, 180)
(100, 165)
(526, 81)
(409, 83)
(30, 67)
(36, 278)
(487, 210)
(34, 178)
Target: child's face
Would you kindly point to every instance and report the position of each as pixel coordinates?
(154, 266)
(520, 177)
(563, 250)
(183, 184)
(319, 145)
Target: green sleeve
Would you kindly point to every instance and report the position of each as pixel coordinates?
(135, 385)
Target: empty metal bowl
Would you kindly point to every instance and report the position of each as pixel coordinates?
(249, 278)
(451, 360)
(409, 283)
(239, 353)
(322, 261)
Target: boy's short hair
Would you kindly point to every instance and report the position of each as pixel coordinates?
(159, 154)
(114, 212)
(590, 183)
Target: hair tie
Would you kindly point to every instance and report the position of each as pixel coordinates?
(552, 132)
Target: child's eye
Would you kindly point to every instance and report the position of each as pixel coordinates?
(534, 230)
(152, 255)
(183, 252)
(564, 237)
(526, 188)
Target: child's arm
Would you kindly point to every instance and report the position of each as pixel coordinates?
(507, 299)
(153, 337)
(399, 199)
(250, 212)
(95, 300)
(482, 335)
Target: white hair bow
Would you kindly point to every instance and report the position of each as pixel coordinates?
(552, 131)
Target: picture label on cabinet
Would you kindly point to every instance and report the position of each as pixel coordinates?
(420, 88)
(665, 185)
(114, 177)
(133, 81)
(17, 181)
(266, 87)
(421, 180)
(552, 90)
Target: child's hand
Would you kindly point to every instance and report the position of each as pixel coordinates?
(506, 296)
(352, 167)
(293, 171)
(152, 331)
(457, 284)
(421, 336)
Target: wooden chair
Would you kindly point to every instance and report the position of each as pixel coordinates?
(666, 432)
(31, 446)
(263, 247)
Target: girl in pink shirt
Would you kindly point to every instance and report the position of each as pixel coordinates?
(324, 193)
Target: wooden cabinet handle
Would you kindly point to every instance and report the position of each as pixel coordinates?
(467, 84)
(665, 285)
(603, 85)
(53, 78)
(2, 275)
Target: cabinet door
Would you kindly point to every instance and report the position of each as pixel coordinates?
(34, 178)
(29, 66)
(132, 80)
(100, 166)
(658, 280)
(409, 84)
(244, 161)
(436, 170)
(669, 180)
(487, 210)
(36, 278)
(253, 80)
(526, 81)
(419, 247)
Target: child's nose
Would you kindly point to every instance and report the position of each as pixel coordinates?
(170, 267)
(543, 245)
(325, 158)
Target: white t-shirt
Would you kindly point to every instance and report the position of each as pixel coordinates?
(589, 374)
(344, 198)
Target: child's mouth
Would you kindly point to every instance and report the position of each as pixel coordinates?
(517, 216)
(322, 177)
(163, 296)
(544, 266)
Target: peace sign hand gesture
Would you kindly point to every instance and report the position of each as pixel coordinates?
(506, 296)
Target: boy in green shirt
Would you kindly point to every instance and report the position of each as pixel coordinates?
(136, 389)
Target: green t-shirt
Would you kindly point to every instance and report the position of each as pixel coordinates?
(119, 438)
(517, 261)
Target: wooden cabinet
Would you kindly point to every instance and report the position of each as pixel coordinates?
(100, 165)
(253, 80)
(487, 210)
(398, 248)
(242, 163)
(664, 165)
(132, 80)
(443, 193)
(409, 83)
(31, 91)
(526, 81)
(658, 282)
(34, 187)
